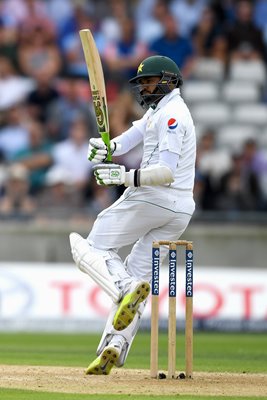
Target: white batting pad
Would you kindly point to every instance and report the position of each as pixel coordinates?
(93, 264)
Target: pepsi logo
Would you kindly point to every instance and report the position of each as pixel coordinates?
(172, 123)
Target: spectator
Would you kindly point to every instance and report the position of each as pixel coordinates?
(219, 50)
(60, 11)
(124, 56)
(187, 13)
(17, 12)
(41, 97)
(206, 34)
(255, 161)
(16, 201)
(149, 13)
(36, 156)
(245, 40)
(110, 25)
(59, 199)
(61, 111)
(8, 43)
(239, 189)
(224, 10)
(260, 17)
(71, 44)
(14, 135)
(38, 50)
(13, 87)
(3, 168)
(78, 19)
(211, 164)
(175, 46)
(71, 154)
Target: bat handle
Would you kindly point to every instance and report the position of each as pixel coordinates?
(106, 140)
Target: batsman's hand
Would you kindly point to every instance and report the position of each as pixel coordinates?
(98, 151)
(109, 174)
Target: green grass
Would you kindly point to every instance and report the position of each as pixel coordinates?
(215, 352)
(30, 395)
(212, 351)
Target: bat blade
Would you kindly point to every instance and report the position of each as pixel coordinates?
(97, 84)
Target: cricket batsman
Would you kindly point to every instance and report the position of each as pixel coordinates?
(157, 204)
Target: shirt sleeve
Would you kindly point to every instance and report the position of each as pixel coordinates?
(132, 137)
(169, 159)
(171, 133)
(127, 141)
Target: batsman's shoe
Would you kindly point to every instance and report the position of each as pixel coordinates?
(129, 305)
(103, 364)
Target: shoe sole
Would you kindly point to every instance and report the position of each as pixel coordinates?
(129, 306)
(104, 363)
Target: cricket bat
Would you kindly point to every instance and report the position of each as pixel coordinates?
(97, 84)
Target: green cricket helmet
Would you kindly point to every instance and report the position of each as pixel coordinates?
(163, 67)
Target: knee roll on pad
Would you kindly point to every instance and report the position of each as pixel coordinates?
(94, 265)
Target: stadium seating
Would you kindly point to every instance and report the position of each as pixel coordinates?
(254, 113)
(232, 103)
(248, 71)
(207, 68)
(232, 137)
(200, 91)
(240, 92)
(211, 114)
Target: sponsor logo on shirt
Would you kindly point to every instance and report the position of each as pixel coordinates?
(172, 124)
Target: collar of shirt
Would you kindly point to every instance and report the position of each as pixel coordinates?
(167, 98)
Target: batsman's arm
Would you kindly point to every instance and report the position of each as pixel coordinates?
(115, 174)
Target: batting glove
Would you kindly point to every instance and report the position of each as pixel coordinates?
(98, 151)
(109, 174)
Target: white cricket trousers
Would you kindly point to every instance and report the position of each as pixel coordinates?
(141, 216)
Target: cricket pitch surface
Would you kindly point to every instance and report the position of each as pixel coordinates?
(130, 381)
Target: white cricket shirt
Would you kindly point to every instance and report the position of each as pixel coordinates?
(170, 127)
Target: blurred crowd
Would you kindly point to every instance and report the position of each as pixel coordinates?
(46, 115)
